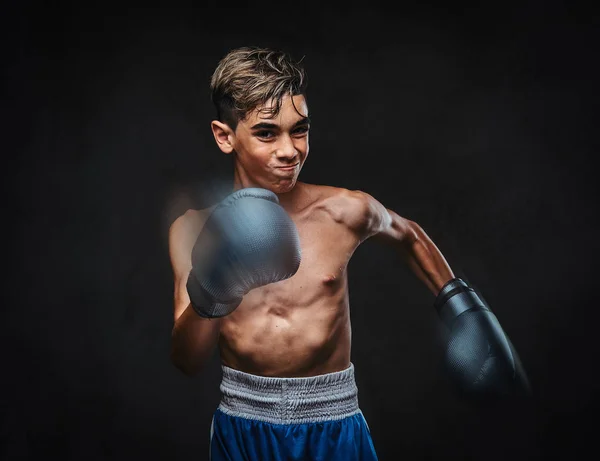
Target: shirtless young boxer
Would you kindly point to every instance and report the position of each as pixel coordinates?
(282, 325)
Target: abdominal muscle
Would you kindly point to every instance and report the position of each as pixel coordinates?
(281, 330)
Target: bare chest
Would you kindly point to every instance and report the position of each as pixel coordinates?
(326, 247)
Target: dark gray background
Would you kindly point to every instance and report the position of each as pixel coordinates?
(478, 123)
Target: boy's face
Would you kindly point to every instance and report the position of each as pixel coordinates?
(270, 151)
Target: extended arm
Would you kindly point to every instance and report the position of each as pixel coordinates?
(418, 250)
(413, 244)
(479, 357)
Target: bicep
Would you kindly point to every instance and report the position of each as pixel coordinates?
(179, 247)
(182, 235)
(396, 229)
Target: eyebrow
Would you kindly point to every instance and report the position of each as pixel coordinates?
(270, 126)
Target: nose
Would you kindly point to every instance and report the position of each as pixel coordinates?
(286, 149)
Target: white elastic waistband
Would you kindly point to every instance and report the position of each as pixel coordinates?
(328, 397)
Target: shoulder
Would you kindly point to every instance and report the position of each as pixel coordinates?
(365, 215)
(191, 221)
(183, 233)
(356, 209)
(338, 196)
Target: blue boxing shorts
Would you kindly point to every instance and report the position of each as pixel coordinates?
(286, 419)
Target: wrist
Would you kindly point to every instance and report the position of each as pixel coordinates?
(455, 298)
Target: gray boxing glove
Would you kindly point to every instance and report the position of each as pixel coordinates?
(247, 241)
(479, 358)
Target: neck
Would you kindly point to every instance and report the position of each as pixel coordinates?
(289, 200)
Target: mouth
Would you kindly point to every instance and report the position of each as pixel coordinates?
(287, 167)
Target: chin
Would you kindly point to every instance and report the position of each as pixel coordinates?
(283, 186)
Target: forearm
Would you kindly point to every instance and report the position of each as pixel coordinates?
(193, 340)
(425, 259)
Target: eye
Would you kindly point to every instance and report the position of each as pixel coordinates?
(265, 134)
(301, 130)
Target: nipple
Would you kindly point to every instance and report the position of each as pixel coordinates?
(329, 279)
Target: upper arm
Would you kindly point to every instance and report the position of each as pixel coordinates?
(372, 219)
(369, 218)
(183, 233)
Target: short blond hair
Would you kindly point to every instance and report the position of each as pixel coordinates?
(248, 77)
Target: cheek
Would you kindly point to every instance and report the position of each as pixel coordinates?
(257, 155)
(305, 147)
(301, 145)
(255, 149)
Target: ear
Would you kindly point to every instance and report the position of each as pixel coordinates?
(223, 136)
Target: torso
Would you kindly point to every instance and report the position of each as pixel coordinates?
(300, 326)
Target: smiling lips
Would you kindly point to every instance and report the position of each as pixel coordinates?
(287, 167)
